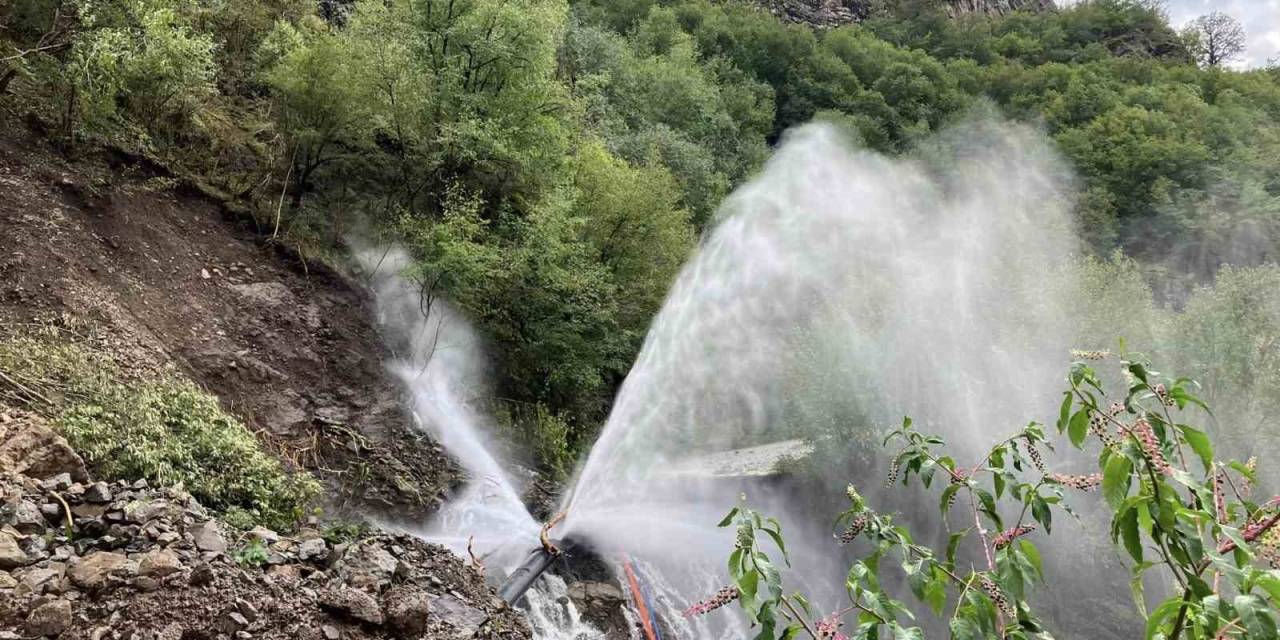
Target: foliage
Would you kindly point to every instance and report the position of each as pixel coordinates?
(342, 532)
(1175, 508)
(155, 426)
(1227, 335)
(546, 435)
(139, 61)
(551, 162)
(252, 554)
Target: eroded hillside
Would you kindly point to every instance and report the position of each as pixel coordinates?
(165, 278)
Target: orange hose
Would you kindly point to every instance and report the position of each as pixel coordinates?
(641, 609)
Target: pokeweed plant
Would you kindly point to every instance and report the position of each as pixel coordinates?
(1174, 508)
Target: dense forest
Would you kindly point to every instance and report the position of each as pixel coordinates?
(550, 164)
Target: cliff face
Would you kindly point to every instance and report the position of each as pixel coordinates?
(957, 8)
(833, 13)
(820, 13)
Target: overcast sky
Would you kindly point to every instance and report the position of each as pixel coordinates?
(1261, 19)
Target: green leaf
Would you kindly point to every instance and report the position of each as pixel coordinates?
(935, 594)
(1135, 590)
(1078, 428)
(748, 585)
(1115, 480)
(729, 517)
(946, 499)
(952, 544)
(1040, 511)
(1200, 443)
(1128, 525)
(1257, 619)
(1064, 413)
(777, 539)
(1033, 555)
(964, 628)
(988, 503)
(1270, 582)
(772, 578)
(913, 633)
(917, 581)
(1163, 612)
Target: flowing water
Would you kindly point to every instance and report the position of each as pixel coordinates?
(441, 362)
(839, 286)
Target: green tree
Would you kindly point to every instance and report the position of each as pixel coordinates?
(139, 61)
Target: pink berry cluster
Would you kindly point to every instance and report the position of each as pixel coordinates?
(892, 476)
(1268, 547)
(998, 597)
(1220, 495)
(1007, 536)
(1090, 355)
(1080, 483)
(855, 528)
(1034, 454)
(1151, 446)
(828, 628)
(721, 598)
(959, 476)
(1098, 427)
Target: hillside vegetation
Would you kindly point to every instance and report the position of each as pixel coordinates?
(551, 163)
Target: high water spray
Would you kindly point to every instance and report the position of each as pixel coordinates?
(839, 290)
(839, 284)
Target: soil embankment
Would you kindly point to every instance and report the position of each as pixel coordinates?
(170, 278)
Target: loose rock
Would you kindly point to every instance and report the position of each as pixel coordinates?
(352, 603)
(464, 618)
(11, 554)
(313, 549)
(50, 619)
(159, 563)
(97, 492)
(208, 537)
(95, 570)
(407, 609)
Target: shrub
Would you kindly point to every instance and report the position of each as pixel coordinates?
(536, 428)
(141, 59)
(253, 554)
(152, 425)
(171, 432)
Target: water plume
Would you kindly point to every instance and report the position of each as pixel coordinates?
(841, 290)
(441, 362)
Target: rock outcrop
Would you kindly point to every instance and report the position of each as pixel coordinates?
(821, 13)
(958, 8)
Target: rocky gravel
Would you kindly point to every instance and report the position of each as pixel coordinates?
(117, 561)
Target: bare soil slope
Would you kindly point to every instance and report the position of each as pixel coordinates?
(174, 279)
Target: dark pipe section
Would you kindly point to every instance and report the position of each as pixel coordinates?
(527, 573)
(522, 578)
